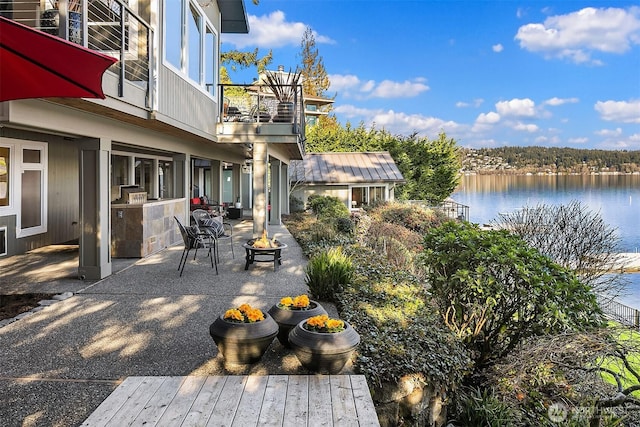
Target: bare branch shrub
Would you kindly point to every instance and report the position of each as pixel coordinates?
(571, 369)
(574, 237)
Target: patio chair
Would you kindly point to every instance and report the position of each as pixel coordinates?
(216, 227)
(193, 239)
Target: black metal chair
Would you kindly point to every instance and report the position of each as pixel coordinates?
(216, 227)
(194, 239)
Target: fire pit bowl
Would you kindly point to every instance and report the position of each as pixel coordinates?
(266, 251)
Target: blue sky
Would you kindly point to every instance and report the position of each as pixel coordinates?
(562, 73)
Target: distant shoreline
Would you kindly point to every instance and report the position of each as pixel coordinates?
(522, 173)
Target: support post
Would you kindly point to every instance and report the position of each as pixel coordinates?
(260, 188)
(95, 209)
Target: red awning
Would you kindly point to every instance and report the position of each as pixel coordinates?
(34, 64)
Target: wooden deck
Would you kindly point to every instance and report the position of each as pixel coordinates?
(274, 400)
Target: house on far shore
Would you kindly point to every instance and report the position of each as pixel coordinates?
(358, 179)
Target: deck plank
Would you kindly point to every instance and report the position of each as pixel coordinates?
(180, 405)
(239, 401)
(272, 412)
(204, 403)
(158, 403)
(367, 416)
(225, 409)
(136, 401)
(107, 409)
(248, 411)
(296, 410)
(320, 414)
(342, 404)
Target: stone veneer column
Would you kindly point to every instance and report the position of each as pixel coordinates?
(95, 209)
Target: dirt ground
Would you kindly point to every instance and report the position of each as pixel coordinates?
(12, 305)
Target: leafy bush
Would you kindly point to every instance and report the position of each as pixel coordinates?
(478, 407)
(345, 225)
(401, 333)
(296, 204)
(413, 217)
(327, 207)
(327, 273)
(493, 290)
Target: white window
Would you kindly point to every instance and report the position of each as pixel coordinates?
(23, 184)
(191, 43)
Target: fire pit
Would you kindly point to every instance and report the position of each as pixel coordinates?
(264, 250)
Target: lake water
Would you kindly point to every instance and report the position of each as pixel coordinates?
(615, 197)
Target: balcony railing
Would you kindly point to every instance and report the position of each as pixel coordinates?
(449, 208)
(257, 104)
(107, 26)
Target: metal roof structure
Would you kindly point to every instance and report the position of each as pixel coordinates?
(346, 168)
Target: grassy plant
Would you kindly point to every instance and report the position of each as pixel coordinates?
(327, 273)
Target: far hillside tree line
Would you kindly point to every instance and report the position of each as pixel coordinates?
(550, 159)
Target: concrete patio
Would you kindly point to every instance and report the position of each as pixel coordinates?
(60, 363)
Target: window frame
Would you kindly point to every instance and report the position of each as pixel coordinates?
(42, 167)
(205, 27)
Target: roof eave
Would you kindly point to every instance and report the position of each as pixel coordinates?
(234, 16)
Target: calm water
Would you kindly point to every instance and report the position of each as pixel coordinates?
(615, 197)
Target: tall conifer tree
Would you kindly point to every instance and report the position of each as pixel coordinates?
(315, 80)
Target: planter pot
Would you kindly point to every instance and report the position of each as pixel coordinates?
(288, 319)
(285, 112)
(243, 343)
(324, 353)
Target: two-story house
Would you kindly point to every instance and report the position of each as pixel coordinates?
(112, 173)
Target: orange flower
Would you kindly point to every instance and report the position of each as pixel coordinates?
(335, 324)
(301, 301)
(245, 308)
(234, 314)
(255, 315)
(286, 302)
(244, 314)
(318, 321)
(324, 324)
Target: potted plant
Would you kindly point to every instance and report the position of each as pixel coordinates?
(291, 311)
(243, 334)
(50, 20)
(284, 88)
(322, 344)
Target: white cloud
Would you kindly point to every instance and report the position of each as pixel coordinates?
(497, 48)
(517, 107)
(609, 132)
(526, 127)
(351, 86)
(488, 118)
(485, 122)
(272, 31)
(577, 35)
(475, 103)
(554, 102)
(619, 111)
(405, 89)
(582, 140)
(398, 122)
(340, 82)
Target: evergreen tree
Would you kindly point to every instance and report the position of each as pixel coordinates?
(315, 80)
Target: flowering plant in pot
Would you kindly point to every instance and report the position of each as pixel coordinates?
(243, 334)
(322, 344)
(292, 310)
